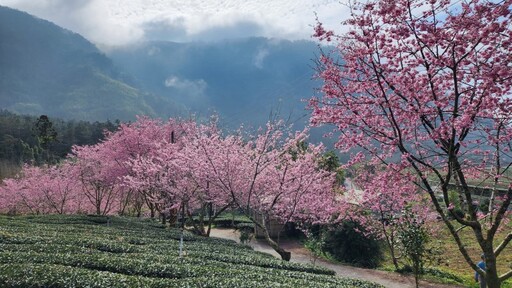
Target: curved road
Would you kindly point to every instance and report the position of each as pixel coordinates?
(302, 255)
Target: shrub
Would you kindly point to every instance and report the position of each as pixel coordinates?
(413, 238)
(347, 243)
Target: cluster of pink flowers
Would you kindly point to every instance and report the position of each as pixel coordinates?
(424, 87)
(164, 166)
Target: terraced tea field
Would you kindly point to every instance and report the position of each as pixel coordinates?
(96, 251)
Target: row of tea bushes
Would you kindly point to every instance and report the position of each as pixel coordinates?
(86, 251)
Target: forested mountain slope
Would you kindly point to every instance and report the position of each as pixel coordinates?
(45, 69)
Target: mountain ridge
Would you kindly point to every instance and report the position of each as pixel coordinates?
(47, 69)
(50, 70)
(249, 77)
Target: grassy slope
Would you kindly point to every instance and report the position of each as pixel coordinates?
(90, 251)
(452, 262)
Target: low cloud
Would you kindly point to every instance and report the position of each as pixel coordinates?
(188, 92)
(116, 23)
(260, 57)
(90, 18)
(192, 87)
(168, 29)
(154, 50)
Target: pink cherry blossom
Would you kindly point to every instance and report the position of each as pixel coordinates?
(425, 86)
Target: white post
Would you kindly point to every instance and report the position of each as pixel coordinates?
(182, 228)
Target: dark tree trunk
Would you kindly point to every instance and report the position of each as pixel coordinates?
(285, 255)
(164, 218)
(491, 274)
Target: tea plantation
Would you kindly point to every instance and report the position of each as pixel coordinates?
(96, 251)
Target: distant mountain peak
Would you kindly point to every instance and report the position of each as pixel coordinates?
(49, 70)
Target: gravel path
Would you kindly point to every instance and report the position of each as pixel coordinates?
(302, 255)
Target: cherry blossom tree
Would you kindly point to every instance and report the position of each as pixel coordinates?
(59, 191)
(99, 175)
(107, 165)
(426, 85)
(269, 178)
(134, 141)
(295, 188)
(153, 168)
(156, 176)
(380, 207)
(41, 190)
(205, 154)
(15, 194)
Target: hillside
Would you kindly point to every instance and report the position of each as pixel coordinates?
(50, 70)
(243, 80)
(96, 251)
(46, 69)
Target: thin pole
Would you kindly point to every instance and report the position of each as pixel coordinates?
(182, 228)
(182, 213)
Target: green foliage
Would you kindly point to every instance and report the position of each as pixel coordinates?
(314, 244)
(300, 148)
(331, 162)
(453, 195)
(44, 131)
(99, 251)
(230, 220)
(46, 135)
(443, 275)
(484, 205)
(346, 242)
(413, 238)
(26, 139)
(246, 232)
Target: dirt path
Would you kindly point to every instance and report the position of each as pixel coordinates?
(302, 255)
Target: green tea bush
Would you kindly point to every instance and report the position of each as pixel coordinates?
(87, 251)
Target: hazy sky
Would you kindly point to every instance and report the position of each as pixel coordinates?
(119, 22)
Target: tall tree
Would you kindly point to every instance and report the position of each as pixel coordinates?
(271, 176)
(99, 173)
(46, 135)
(429, 81)
(45, 131)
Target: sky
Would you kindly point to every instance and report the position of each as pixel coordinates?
(124, 22)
